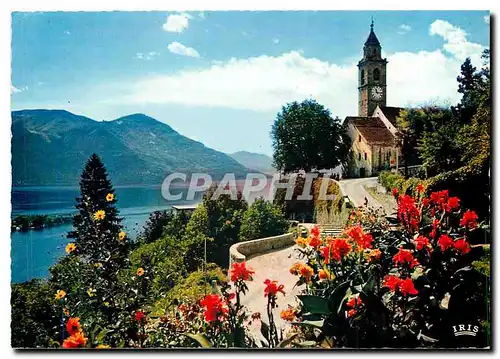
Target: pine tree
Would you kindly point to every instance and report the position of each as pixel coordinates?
(97, 229)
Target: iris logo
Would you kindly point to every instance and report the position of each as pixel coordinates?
(465, 329)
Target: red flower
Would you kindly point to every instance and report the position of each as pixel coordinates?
(426, 202)
(435, 224)
(408, 213)
(340, 248)
(391, 282)
(395, 192)
(362, 240)
(439, 197)
(214, 307)
(469, 219)
(139, 315)
(351, 312)
(445, 242)
(462, 246)
(420, 187)
(354, 302)
(240, 272)
(405, 256)
(75, 340)
(272, 288)
(315, 241)
(315, 231)
(73, 326)
(422, 242)
(453, 203)
(406, 287)
(326, 253)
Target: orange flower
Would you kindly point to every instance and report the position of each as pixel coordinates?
(302, 242)
(272, 288)
(140, 272)
(420, 187)
(306, 272)
(110, 197)
(73, 326)
(121, 235)
(324, 274)
(60, 294)
(362, 240)
(75, 340)
(295, 268)
(66, 312)
(288, 314)
(374, 255)
(70, 247)
(240, 272)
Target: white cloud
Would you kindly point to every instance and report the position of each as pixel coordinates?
(14, 89)
(264, 83)
(177, 22)
(403, 29)
(147, 55)
(179, 49)
(276, 41)
(456, 41)
(486, 19)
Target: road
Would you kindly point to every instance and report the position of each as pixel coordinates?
(354, 188)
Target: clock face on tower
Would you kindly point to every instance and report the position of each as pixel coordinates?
(377, 93)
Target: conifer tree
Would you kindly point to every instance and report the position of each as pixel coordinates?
(97, 229)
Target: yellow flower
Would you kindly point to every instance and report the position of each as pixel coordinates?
(121, 235)
(110, 197)
(102, 346)
(106, 304)
(60, 294)
(98, 265)
(140, 272)
(302, 242)
(66, 312)
(91, 292)
(99, 215)
(70, 247)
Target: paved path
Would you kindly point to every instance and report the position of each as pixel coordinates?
(275, 266)
(354, 188)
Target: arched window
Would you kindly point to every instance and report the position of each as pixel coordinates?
(362, 77)
(376, 75)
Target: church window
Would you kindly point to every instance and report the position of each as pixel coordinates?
(359, 156)
(362, 77)
(376, 75)
(365, 156)
(359, 138)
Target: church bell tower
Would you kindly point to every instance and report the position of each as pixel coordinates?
(372, 86)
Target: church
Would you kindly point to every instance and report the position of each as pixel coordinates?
(373, 131)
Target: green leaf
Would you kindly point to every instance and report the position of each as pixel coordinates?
(102, 334)
(287, 341)
(310, 323)
(314, 304)
(201, 339)
(307, 344)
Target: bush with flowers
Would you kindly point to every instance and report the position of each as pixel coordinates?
(379, 285)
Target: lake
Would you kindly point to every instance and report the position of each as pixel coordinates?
(33, 252)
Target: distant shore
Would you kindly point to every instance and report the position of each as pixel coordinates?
(26, 223)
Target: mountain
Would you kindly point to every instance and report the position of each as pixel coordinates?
(50, 147)
(255, 161)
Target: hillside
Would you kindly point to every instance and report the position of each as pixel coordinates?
(254, 161)
(50, 147)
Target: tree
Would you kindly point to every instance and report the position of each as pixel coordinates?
(262, 219)
(305, 137)
(216, 221)
(163, 223)
(97, 226)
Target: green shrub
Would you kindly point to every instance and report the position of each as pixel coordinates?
(262, 219)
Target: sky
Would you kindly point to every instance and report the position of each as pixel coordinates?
(221, 77)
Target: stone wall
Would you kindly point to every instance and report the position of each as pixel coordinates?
(242, 251)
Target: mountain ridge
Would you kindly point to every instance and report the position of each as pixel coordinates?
(50, 147)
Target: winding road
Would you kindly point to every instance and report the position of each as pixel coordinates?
(354, 188)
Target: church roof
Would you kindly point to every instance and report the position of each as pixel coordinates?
(372, 38)
(391, 113)
(372, 129)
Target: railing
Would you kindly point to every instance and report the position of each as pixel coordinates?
(242, 251)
